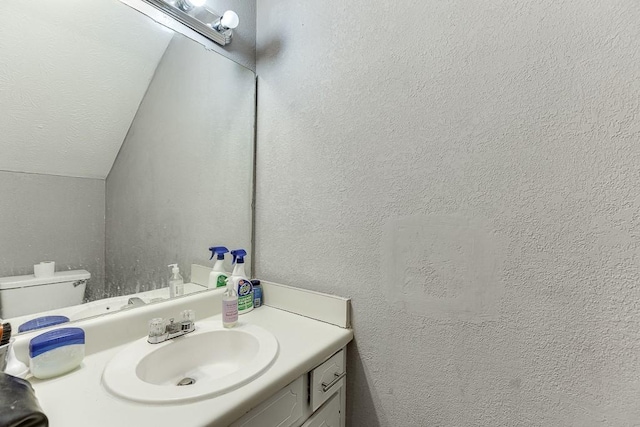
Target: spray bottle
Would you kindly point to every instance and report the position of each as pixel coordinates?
(241, 284)
(176, 283)
(218, 277)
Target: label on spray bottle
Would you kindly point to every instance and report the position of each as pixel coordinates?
(221, 281)
(245, 296)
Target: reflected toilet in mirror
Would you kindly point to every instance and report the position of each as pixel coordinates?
(22, 295)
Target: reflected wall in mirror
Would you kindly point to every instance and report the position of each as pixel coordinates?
(125, 147)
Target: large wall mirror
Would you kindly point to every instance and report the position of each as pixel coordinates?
(124, 147)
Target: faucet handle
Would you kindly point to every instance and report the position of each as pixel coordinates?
(157, 327)
(188, 315)
(188, 321)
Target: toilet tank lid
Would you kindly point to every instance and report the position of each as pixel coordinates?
(15, 282)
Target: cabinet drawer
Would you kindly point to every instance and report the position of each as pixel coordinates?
(326, 379)
(283, 409)
(328, 415)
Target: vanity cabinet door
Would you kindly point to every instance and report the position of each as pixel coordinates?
(327, 416)
(327, 378)
(286, 408)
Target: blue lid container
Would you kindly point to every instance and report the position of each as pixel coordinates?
(55, 339)
(42, 322)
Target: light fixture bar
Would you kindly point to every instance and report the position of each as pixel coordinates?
(221, 37)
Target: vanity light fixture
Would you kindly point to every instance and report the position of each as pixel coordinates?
(195, 15)
(188, 5)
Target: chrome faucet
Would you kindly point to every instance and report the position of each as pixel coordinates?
(160, 330)
(135, 301)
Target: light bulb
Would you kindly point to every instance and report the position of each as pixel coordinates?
(229, 19)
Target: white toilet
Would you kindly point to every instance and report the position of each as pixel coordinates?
(21, 295)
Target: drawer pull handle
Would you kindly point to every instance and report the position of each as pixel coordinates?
(337, 378)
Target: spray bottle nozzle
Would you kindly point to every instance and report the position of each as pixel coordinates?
(174, 268)
(238, 255)
(219, 251)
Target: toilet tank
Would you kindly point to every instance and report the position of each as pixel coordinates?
(21, 295)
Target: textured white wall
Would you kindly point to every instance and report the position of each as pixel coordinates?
(72, 76)
(468, 173)
(184, 177)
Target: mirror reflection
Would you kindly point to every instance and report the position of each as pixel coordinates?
(125, 147)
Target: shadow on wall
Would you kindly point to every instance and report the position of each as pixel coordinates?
(359, 391)
(270, 50)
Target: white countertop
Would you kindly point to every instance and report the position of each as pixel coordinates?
(78, 399)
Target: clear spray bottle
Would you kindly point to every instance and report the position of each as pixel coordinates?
(230, 306)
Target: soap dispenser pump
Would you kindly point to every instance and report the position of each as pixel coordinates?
(241, 284)
(218, 276)
(176, 283)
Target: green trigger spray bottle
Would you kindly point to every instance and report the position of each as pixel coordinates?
(240, 283)
(218, 277)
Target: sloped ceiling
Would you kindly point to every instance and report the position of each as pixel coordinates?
(72, 75)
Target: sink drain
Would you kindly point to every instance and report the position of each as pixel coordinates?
(186, 381)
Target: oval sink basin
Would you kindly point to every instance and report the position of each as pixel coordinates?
(206, 363)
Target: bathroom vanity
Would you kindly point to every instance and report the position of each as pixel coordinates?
(316, 398)
(303, 386)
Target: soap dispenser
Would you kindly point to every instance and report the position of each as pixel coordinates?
(218, 277)
(176, 283)
(240, 283)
